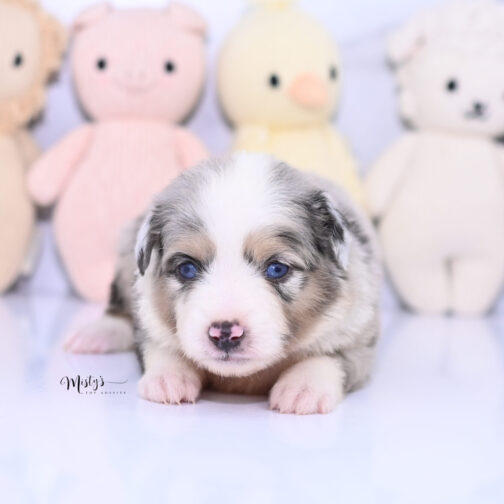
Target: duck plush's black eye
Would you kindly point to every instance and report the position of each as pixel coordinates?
(274, 80)
(452, 86)
(169, 67)
(101, 64)
(18, 60)
(333, 73)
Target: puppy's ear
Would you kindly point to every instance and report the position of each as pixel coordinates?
(329, 227)
(148, 238)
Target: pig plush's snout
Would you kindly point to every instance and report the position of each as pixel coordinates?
(136, 79)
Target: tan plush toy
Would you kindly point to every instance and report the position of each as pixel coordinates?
(138, 73)
(31, 46)
(279, 84)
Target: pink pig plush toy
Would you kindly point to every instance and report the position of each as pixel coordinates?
(137, 73)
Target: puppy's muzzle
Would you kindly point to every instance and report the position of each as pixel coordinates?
(226, 335)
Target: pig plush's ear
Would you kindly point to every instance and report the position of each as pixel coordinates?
(187, 18)
(91, 15)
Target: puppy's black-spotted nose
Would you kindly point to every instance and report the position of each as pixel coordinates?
(226, 335)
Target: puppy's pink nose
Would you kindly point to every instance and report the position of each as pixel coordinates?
(223, 329)
(226, 335)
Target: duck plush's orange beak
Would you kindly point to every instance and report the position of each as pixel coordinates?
(309, 91)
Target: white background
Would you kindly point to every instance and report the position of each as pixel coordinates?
(368, 115)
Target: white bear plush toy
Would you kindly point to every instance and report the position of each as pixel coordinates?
(438, 192)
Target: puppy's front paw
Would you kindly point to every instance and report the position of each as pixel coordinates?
(108, 334)
(170, 387)
(304, 391)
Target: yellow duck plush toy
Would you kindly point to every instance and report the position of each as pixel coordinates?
(279, 84)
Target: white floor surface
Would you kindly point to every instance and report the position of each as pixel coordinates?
(429, 428)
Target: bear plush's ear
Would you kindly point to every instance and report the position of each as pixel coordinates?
(91, 15)
(55, 40)
(405, 42)
(187, 18)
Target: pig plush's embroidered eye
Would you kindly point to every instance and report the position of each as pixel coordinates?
(169, 67)
(333, 73)
(188, 271)
(101, 64)
(18, 60)
(276, 270)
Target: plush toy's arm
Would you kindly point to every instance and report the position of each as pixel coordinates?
(190, 149)
(347, 166)
(30, 151)
(386, 174)
(49, 174)
(252, 137)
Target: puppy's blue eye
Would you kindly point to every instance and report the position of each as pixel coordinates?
(276, 270)
(188, 271)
